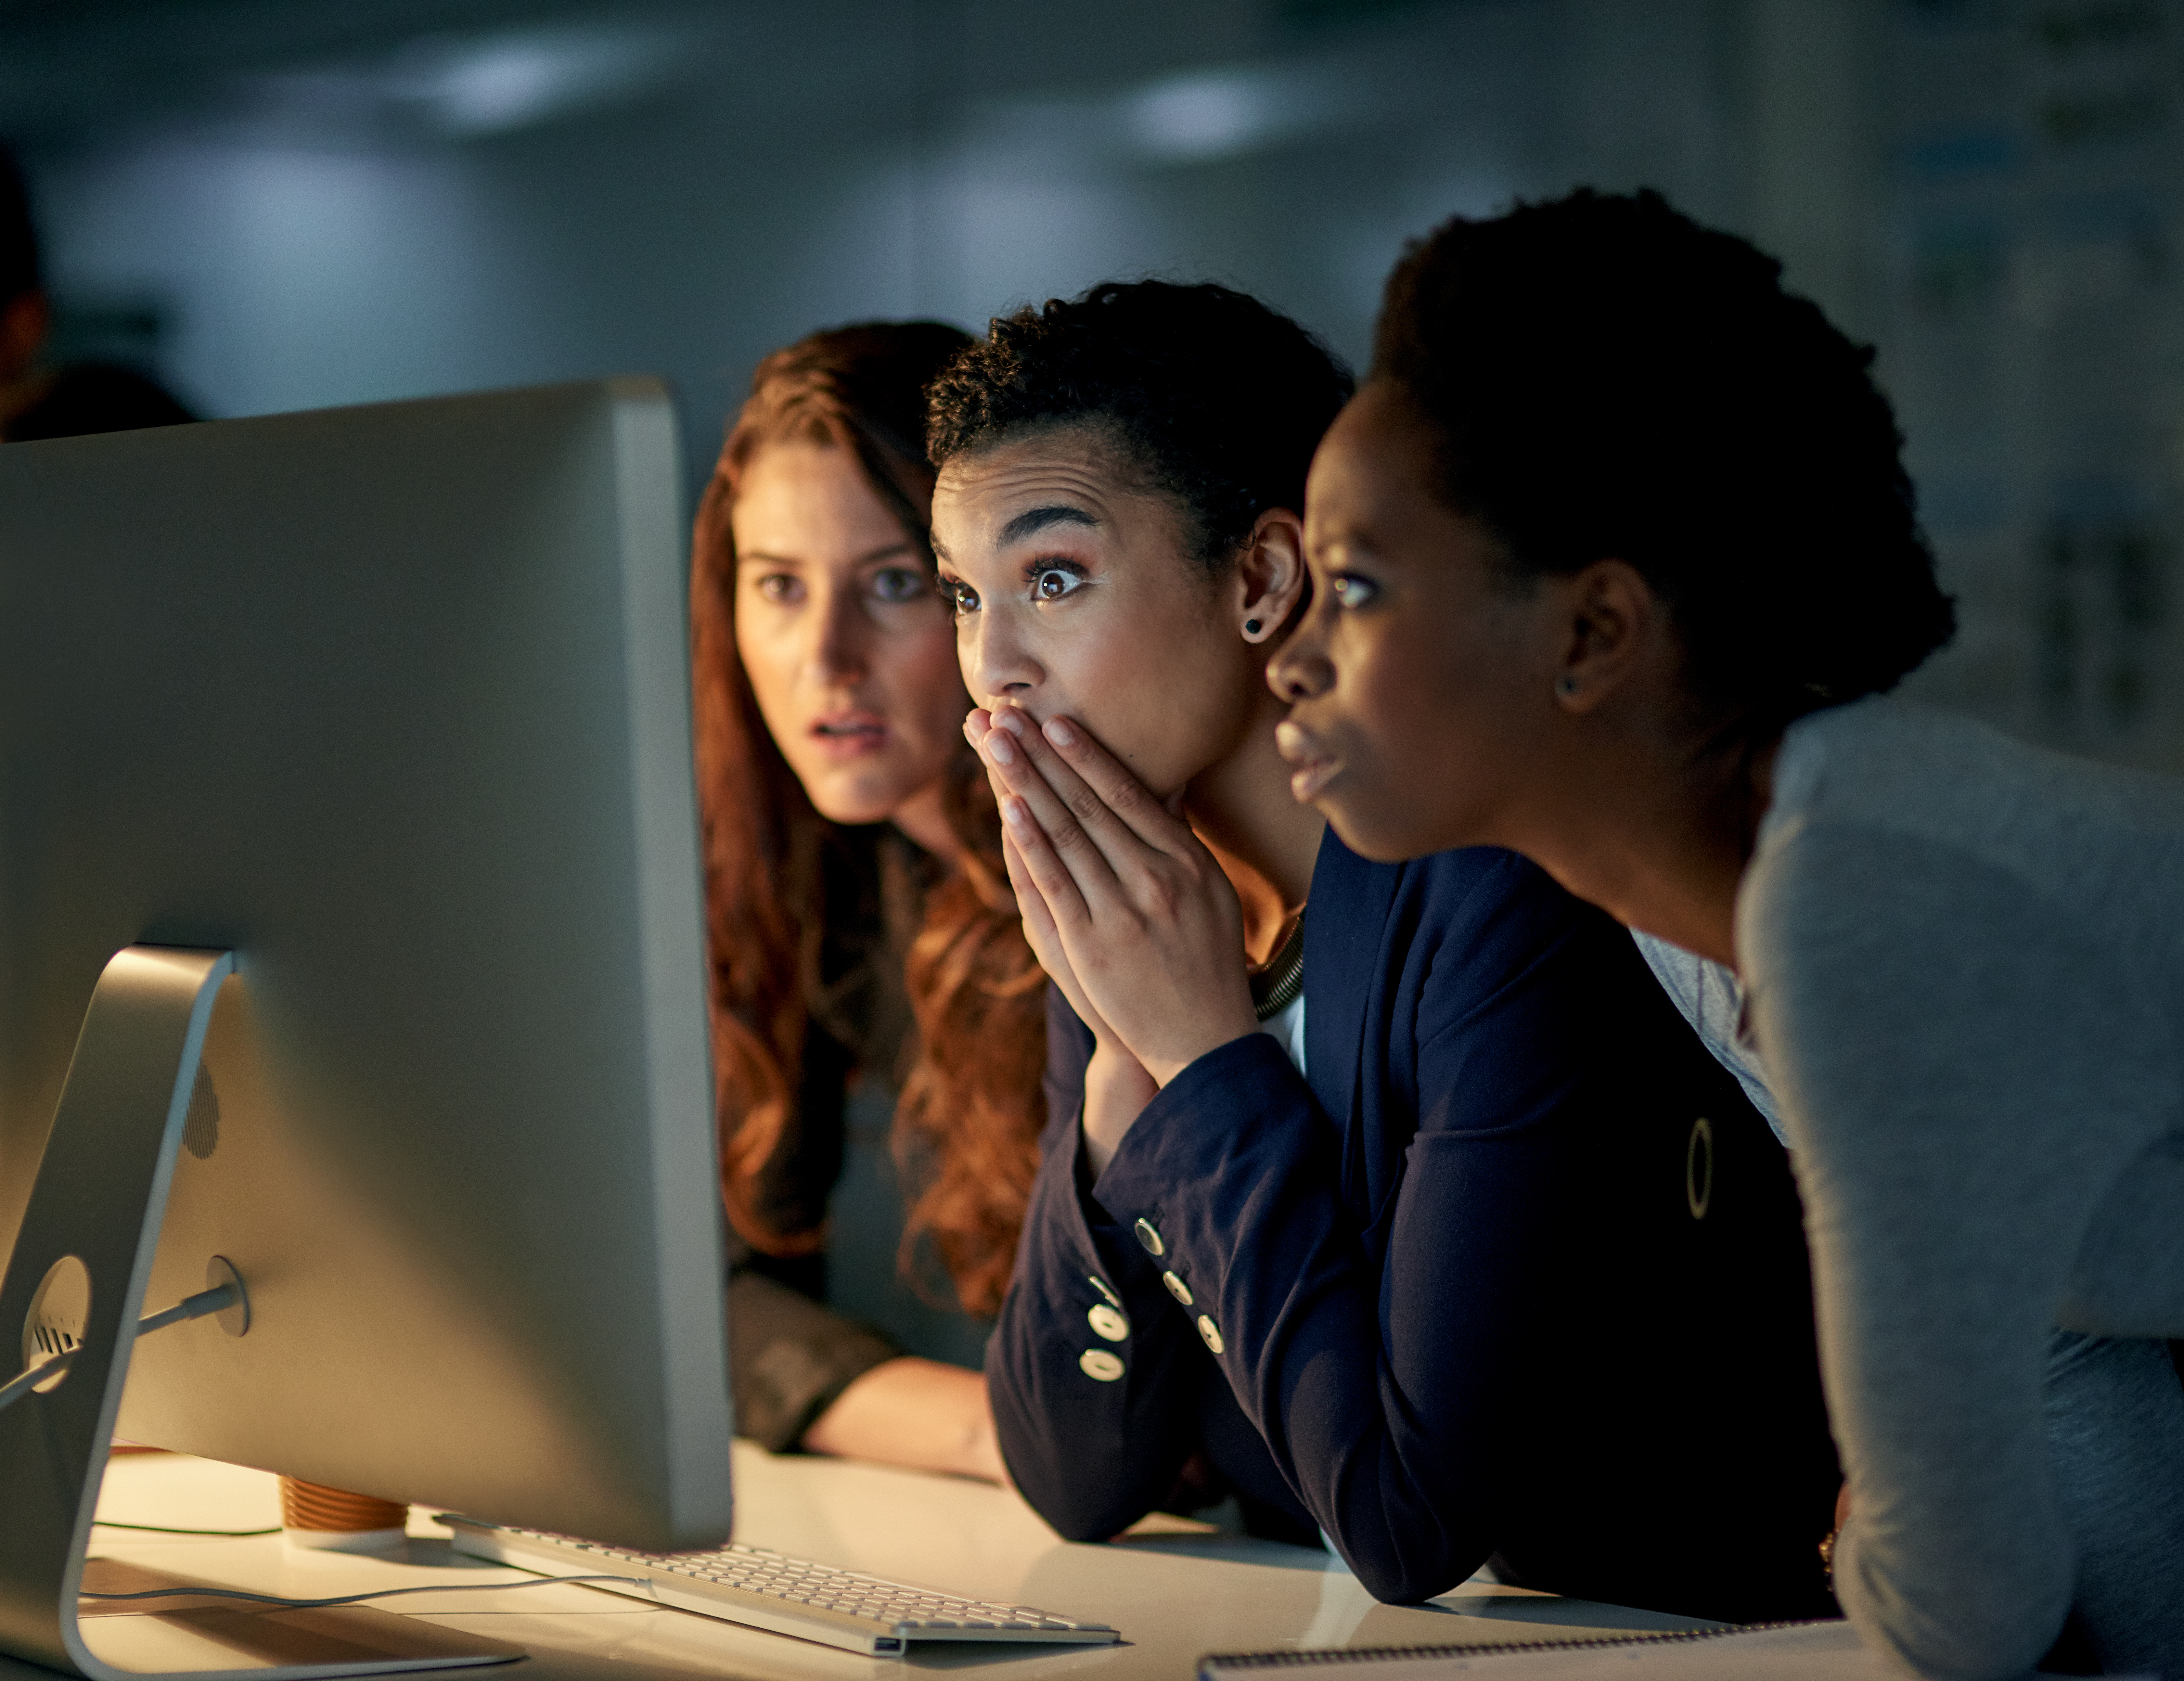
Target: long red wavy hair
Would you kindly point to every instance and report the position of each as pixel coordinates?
(784, 886)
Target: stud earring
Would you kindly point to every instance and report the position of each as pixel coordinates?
(1566, 686)
(1250, 627)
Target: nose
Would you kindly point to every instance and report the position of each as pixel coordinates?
(836, 656)
(996, 664)
(1300, 669)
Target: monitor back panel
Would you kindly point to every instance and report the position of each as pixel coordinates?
(393, 702)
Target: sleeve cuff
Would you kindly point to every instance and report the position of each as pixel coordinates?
(789, 1359)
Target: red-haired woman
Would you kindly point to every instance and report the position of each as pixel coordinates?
(862, 933)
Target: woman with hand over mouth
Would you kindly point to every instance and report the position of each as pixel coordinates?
(1396, 1200)
(1615, 557)
(862, 935)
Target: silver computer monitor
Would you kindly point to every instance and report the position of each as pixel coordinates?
(391, 702)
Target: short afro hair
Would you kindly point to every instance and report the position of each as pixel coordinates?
(1219, 400)
(1605, 378)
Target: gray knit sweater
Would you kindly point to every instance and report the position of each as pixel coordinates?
(1964, 962)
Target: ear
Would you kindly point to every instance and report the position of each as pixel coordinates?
(1271, 579)
(1612, 620)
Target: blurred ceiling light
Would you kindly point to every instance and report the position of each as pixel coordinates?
(489, 84)
(1208, 115)
(1211, 113)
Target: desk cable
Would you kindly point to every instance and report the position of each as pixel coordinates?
(162, 1529)
(218, 1300)
(358, 1598)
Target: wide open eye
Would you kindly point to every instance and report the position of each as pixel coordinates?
(960, 597)
(1051, 583)
(893, 584)
(1351, 591)
(784, 589)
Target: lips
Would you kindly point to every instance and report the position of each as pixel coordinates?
(847, 734)
(1313, 766)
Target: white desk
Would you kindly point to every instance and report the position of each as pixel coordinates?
(1174, 1596)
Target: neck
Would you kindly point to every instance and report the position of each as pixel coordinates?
(924, 818)
(1265, 842)
(1658, 835)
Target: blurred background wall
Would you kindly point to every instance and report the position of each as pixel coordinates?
(284, 203)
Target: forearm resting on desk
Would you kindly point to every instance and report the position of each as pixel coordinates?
(913, 1412)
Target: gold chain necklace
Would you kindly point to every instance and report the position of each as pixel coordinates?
(1276, 983)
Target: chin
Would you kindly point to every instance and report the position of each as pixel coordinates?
(1379, 835)
(853, 801)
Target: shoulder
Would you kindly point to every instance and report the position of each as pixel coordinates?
(1949, 823)
(1454, 930)
(1472, 883)
(1487, 902)
(1482, 877)
(1908, 991)
(1887, 766)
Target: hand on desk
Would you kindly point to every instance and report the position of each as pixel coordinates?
(913, 1412)
(1123, 905)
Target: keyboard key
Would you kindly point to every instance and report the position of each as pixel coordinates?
(821, 1602)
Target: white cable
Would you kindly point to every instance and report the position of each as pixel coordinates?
(23, 1382)
(217, 1300)
(357, 1599)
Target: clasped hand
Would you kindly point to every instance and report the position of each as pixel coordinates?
(1125, 907)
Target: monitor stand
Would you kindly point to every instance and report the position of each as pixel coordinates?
(78, 1276)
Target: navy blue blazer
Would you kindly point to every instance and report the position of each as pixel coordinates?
(1517, 1273)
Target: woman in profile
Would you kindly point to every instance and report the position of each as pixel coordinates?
(1616, 559)
(1397, 1199)
(862, 937)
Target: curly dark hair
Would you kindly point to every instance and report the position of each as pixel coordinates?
(1218, 400)
(1607, 378)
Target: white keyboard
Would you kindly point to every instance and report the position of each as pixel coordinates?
(781, 1595)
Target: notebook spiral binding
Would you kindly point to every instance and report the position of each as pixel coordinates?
(1213, 1663)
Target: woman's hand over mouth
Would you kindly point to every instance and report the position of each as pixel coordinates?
(1138, 909)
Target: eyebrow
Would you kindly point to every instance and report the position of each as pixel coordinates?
(762, 557)
(1034, 520)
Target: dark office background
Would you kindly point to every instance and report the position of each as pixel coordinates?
(287, 203)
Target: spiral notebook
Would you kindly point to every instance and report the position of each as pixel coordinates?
(1775, 1652)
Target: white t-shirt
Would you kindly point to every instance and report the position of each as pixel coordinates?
(1710, 998)
(1286, 1027)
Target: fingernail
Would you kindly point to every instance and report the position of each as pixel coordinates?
(1016, 814)
(1059, 732)
(1012, 720)
(999, 749)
